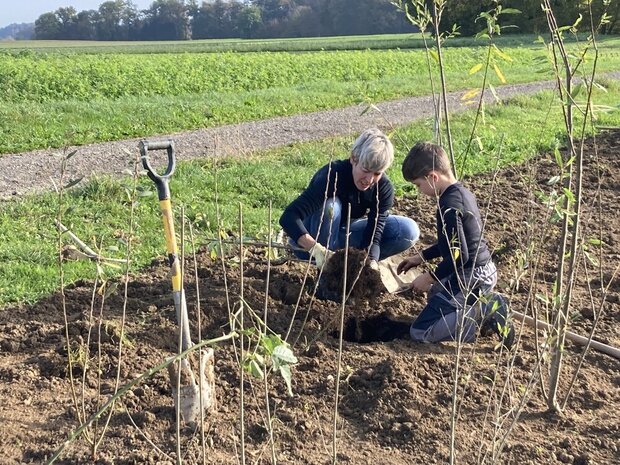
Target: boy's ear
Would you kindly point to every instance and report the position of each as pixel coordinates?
(432, 176)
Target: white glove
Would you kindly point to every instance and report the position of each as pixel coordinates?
(319, 253)
(373, 265)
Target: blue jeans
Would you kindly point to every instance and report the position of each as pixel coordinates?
(399, 234)
(455, 304)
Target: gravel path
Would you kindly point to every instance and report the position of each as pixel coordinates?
(32, 172)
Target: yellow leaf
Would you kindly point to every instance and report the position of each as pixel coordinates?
(504, 55)
(474, 69)
(470, 94)
(499, 74)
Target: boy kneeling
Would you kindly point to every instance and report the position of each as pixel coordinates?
(460, 298)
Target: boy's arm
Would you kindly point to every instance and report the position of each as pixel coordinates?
(453, 247)
(431, 252)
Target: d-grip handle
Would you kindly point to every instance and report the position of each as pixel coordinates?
(160, 180)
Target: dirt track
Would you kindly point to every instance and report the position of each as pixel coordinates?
(32, 172)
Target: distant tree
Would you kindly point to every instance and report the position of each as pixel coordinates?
(249, 21)
(217, 20)
(22, 31)
(167, 20)
(67, 17)
(352, 17)
(115, 20)
(47, 27)
(86, 25)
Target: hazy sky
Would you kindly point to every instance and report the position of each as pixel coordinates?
(27, 11)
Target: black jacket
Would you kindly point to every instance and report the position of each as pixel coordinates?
(459, 233)
(374, 202)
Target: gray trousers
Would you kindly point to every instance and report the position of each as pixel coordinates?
(453, 309)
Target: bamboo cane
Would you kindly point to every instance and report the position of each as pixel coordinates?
(576, 338)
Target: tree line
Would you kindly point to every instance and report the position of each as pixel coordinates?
(219, 19)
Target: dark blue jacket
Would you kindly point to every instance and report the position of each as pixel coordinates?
(459, 228)
(337, 176)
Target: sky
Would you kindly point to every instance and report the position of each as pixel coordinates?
(27, 11)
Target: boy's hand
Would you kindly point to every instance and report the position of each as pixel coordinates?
(423, 282)
(409, 263)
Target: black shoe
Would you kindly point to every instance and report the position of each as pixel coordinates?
(497, 320)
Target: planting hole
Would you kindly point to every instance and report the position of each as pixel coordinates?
(377, 328)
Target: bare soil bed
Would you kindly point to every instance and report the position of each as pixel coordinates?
(395, 397)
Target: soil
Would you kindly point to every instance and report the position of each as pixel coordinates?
(395, 397)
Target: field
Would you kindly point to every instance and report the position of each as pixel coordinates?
(72, 332)
(59, 99)
(394, 396)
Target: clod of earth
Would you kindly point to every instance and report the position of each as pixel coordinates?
(363, 283)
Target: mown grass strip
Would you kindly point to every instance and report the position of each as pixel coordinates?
(305, 44)
(98, 211)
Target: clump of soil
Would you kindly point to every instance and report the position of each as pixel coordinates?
(363, 283)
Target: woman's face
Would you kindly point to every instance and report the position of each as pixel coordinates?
(363, 178)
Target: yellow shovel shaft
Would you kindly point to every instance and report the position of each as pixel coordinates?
(171, 243)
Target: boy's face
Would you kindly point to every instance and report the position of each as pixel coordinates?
(427, 184)
(363, 178)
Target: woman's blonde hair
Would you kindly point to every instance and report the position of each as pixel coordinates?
(373, 150)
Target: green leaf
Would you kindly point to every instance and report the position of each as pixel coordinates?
(510, 11)
(576, 90)
(284, 354)
(499, 73)
(558, 157)
(70, 155)
(470, 94)
(501, 54)
(110, 290)
(285, 372)
(73, 182)
(569, 194)
(434, 54)
(255, 369)
(270, 343)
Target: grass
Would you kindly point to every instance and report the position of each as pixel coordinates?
(98, 212)
(309, 44)
(59, 99)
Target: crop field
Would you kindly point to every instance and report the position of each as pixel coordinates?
(85, 343)
(57, 99)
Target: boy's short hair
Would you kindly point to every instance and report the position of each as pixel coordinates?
(373, 150)
(423, 158)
